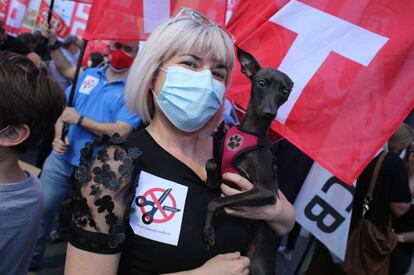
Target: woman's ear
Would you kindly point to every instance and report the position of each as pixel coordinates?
(14, 136)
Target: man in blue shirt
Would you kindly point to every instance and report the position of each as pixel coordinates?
(98, 109)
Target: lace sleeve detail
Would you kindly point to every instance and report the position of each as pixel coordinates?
(100, 206)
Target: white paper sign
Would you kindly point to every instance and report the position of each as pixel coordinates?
(88, 84)
(158, 209)
(324, 208)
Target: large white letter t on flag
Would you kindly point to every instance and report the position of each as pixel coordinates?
(319, 33)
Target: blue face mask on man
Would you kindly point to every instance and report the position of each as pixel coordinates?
(189, 99)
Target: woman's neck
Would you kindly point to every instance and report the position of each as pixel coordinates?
(168, 136)
(10, 171)
(193, 149)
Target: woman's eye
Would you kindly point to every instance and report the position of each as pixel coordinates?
(218, 75)
(189, 64)
(261, 83)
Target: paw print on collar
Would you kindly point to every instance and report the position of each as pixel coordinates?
(234, 142)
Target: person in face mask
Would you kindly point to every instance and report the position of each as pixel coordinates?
(98, 109)
(177, 86)
(121, 56)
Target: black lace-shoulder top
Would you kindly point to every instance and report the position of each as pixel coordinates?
(138, 199)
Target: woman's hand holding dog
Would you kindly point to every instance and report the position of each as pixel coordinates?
(226, 264)
(279, 216)
(223, 264)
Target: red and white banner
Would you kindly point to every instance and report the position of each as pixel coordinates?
(14, 16)
(79, 19)
(134, 20)
(352, 64)
(57, 23)
(67, 18)
(83, 1)
(3, 6)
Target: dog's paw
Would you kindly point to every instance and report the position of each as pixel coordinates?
(209, 237)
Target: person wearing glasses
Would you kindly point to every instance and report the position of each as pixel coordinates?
(141, 205)
(98, 109)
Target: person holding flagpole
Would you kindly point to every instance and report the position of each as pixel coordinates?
(98, 109)
(139, 207)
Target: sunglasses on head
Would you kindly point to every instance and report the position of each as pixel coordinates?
(199, 18)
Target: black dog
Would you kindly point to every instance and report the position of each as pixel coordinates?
(270, 89)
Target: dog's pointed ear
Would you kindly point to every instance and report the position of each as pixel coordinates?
(249, 65)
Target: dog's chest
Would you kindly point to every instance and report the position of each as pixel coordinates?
(235, 142)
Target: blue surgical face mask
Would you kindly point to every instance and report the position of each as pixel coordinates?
(189, 99)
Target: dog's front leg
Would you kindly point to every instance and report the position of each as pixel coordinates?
(253, 197)
(213, 175)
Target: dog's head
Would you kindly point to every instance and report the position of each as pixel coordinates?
(270, 87)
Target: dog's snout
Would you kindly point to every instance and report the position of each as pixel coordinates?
(269, 113)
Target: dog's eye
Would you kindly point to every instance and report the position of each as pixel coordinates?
(285, 92)
(261, 83)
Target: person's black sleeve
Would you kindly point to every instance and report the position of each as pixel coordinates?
(100, 206)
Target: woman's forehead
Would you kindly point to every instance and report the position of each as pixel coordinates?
(202, 56)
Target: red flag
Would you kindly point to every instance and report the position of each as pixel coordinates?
(57, 23)
(79, 19)
(134, 20)
(83, 1)
(352, 63)
(15, 13)
(3, 6)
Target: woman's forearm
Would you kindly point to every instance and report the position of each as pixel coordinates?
(406, 237)
(285, 220)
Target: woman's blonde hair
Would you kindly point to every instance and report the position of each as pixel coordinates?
(170, 38)
(401, 139)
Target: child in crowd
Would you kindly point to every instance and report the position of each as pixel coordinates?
(30, 104)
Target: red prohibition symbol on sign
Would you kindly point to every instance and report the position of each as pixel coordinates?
(156, 199)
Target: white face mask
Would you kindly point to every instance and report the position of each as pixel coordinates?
(190, 99)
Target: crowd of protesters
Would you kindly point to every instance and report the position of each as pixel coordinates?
(122, 90)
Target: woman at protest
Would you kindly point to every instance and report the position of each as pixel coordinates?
(402, 255)
(391, 198)
(141, 209)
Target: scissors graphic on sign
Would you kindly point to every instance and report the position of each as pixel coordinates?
(148, 216)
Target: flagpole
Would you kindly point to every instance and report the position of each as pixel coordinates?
(305, 254)
(65, 128)
(49, 15)
(49, 20)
